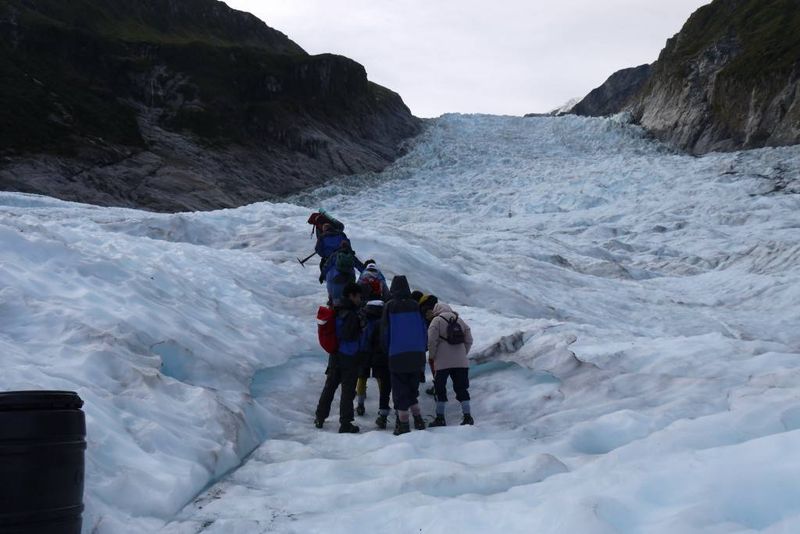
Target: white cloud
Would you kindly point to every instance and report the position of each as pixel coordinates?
(501, 56)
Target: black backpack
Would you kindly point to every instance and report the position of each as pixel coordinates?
(455, 334)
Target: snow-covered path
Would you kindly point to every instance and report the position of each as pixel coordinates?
(636, 370)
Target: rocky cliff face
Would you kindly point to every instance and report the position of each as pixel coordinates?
(729, 80)
(615, 93)
(179, 104)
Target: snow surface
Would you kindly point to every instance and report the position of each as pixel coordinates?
(636, 314)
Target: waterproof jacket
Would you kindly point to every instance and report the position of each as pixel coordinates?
(370, 278)
(335, 283)
(348, 332)
(329, 242)
(371, 348)
(443, 354)
(403, 330)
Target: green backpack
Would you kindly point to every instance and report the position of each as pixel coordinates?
(345, 261)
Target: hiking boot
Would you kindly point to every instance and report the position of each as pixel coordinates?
(348, 428)
(467, 420)
(360, 410)
(439, 421)
(402, 428)
(319, 422)
(381, 421)
(419, 423)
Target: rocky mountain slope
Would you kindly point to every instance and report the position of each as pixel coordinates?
(179, 104)
(729, 80)
(615, 93)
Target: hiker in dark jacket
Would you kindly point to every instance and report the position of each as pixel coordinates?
(374, 362)
(344, 364)
(404, 338)
(339, 271)
(327, 243)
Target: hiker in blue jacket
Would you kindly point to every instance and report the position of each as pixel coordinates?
(328, 242)
(404, 336)
(344, 364)
(339, 271)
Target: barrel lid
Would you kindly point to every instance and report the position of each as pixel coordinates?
(39, 400)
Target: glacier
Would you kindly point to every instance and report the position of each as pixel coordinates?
(637, 353)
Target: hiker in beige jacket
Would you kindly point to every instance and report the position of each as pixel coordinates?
(449, 343)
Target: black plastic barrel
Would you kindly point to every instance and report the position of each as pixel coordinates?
(42, 444)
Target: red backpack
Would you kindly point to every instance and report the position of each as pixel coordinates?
(326, 329)
(375, 287)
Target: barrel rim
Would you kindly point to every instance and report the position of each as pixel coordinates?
(39, 400)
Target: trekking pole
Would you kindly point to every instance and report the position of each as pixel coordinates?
(303, 262)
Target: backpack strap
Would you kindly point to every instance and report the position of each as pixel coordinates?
(448, 322)
(453, 320)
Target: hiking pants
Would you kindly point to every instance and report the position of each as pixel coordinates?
(346, 376)
(363, 375)
(405, 390)
(361, 387)
(381, 375)
(460, 378)
(384, 379)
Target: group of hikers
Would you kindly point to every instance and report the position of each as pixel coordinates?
(372, 330)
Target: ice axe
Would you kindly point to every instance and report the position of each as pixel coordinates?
(303, 262)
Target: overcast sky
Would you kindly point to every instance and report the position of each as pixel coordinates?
(481, 56)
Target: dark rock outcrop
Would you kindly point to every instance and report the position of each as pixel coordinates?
(179, 104)
(729, 80)
(615, 94)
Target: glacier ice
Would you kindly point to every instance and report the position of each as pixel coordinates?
(636, 312)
